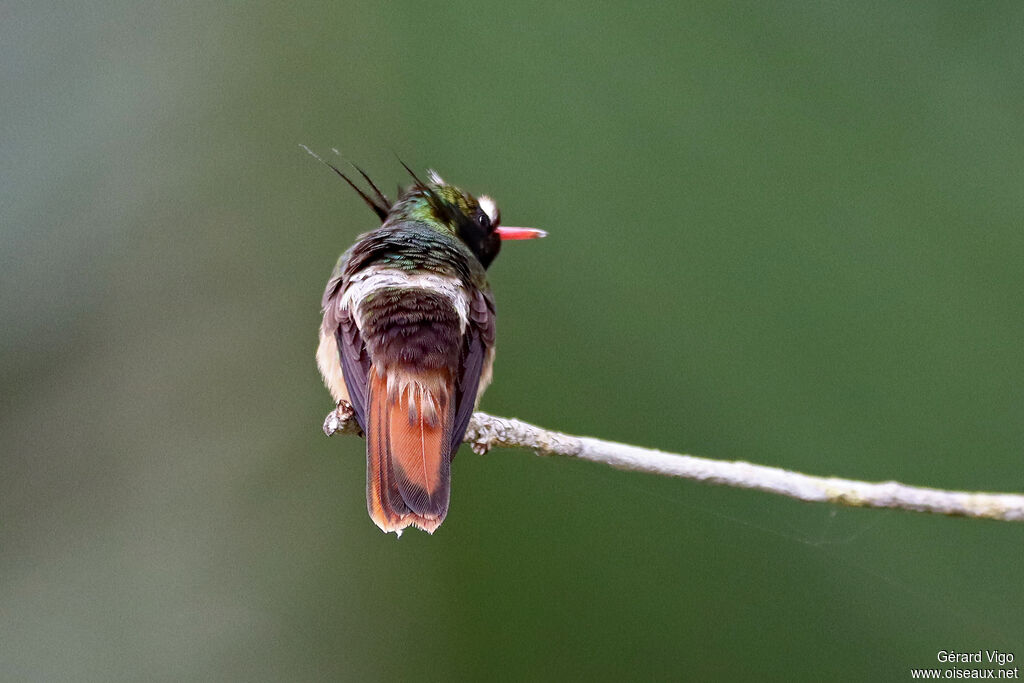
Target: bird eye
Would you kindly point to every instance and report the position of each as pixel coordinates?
(483, 220)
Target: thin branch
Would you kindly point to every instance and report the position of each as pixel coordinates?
(486, 431)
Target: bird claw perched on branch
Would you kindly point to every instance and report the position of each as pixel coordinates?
(478, 437)
(340, 420)
(484, 433)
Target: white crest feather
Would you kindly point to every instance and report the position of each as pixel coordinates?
(435, 178)
(488, 205)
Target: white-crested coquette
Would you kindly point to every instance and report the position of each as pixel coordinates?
(408, 339)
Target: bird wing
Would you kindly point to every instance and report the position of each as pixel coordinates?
(340, 326)
(477, 356)
(355, 363)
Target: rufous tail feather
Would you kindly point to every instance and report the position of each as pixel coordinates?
(408, 452)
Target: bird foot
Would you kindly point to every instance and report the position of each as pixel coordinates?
(341, 420)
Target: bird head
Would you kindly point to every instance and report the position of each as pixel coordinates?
(474, 220)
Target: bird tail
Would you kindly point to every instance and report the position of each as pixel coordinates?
(408, 450)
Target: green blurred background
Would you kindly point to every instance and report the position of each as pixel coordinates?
(785, 233)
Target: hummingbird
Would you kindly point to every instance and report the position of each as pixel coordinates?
(408, 339)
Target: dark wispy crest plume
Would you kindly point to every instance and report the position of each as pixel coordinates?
(380, 205)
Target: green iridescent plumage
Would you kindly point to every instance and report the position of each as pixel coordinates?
(426, 231)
